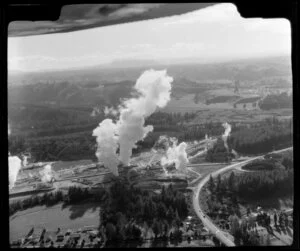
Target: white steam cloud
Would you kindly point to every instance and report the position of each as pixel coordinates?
(227, 128)
(111, 111)
(14, 165)
(96, 111)
(176, 154)
(107, 144)
(47, 174)
(163, 143)
(154, 89)
(25, 160)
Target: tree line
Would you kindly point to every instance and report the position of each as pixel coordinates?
(265, 136)
(270, 135)
(225, 194)
(276, 101)
(130, 208)
(74, 195)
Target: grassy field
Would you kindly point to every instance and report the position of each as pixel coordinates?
(206, 169)
(60, 165)
(71, 217)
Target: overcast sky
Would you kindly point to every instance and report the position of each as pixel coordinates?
(214, 33)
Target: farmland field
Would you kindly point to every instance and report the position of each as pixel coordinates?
(206, 169)
(71, 217)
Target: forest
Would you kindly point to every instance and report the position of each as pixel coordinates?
(270, 135)
(71, 143)
(276, 101)
(128, 208)
(74, 195)
(124, 208)
(225, 195)
(264, 183)
(219, 153)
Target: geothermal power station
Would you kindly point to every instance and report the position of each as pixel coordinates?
(166, 163)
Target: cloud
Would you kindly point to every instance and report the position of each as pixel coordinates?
(187, 46)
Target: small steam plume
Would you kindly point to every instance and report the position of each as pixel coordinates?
(161, 145)
(25, 161)
(227, 128)
(107, 144)
(153, 156)
(234, 153)
(47, 174)
(176, 154)
(96, 111)
(111, 111)
(14, 165)
(154, 89)
(8, 130)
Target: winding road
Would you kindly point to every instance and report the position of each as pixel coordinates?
(223, 237)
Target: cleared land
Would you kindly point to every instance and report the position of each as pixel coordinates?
(70, 217)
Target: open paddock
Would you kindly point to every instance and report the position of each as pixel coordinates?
(70, 217)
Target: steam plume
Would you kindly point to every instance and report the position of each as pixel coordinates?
(154, 89)
(46, 174)
(234, 153)
(176, 154)
(111, 111)
(227, 128)
(25, 161)
(96, 111)
(107, 145)
(163, 143)
(14, 166)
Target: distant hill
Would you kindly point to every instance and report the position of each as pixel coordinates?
(132, 63)
(243, 69)
(68, 94)
(107, 85)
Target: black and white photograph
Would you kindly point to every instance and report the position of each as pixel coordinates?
(150, 125)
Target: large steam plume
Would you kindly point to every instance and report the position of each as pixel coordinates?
(14, 166)
(107, 143)
(176, 154)
(154, 89)
(227, 128)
